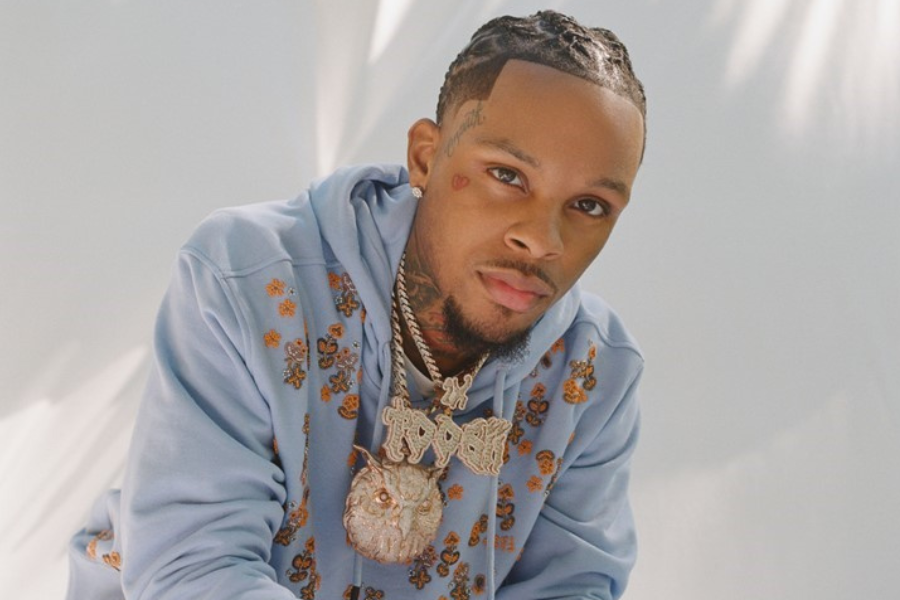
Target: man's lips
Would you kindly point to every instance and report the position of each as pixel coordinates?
(515, 291)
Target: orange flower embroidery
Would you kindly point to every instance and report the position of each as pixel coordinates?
(340, 382)
(349, 408)
(455, 492)
(275, 288)
(558, 346)
(114, 560)
(287, 308)
(506, 543)
(480, 527)
(294, 375)
(572, 392)
(525, 447)
(336, 330)
(334, 281)
(535, 484)
(272, 338)
(325, 393)
(545, 462)
(351, 458)
(506, 492)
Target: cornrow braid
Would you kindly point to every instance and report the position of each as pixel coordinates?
(548, 38)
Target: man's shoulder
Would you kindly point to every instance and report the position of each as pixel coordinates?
(596, 318)
(245, 238)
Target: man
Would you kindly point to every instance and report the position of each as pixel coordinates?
(391, 387)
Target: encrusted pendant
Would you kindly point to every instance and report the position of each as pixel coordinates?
(393, 509)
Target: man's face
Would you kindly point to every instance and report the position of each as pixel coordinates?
(522, 191)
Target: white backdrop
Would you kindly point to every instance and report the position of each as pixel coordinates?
(759, 262)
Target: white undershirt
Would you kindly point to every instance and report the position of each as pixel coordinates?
(420, 380)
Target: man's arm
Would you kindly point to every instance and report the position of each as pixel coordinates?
(202, 498)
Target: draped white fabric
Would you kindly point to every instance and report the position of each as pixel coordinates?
(759, 261)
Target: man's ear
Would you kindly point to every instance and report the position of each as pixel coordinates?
(423, 142)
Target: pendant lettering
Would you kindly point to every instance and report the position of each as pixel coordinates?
(446, 440)
(407, 428)
(479, 443)
(454, 393)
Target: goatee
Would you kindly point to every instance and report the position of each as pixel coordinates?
(474, 337)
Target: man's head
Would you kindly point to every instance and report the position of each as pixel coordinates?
(539, 137)
(546, 38)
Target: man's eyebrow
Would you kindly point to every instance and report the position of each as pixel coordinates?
(507, 146)
(612, 184)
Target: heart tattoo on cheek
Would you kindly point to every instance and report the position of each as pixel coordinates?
(459, 182)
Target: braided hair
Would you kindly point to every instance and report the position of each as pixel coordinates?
(548, 38)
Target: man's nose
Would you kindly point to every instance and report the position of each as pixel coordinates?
(536, 231)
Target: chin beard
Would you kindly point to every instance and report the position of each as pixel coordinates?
(473, 336)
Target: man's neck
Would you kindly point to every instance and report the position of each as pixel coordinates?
(449, 359)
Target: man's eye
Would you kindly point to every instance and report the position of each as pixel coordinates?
(504, 175)
(591, 207)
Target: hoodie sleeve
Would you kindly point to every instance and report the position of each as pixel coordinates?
(583, 544)
(203, 494)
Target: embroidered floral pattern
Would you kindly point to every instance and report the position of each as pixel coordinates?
(287, 308)
(347, 372)
(272, 338)
(349, 408)
(525, 447)
(555, 476)
(346, 300)
(545, 462)
(455, 492)
(327, 346)
(459, 587)
(114, 560)
(91, 549)
(296, 519)
(418, 574)
(537, 406)
(479, 583)
(295, 355)
(449, 555)
(304, 570)
(275, 288)
(505, 543)
(516, 432)
(478, 529)
(506, 507)
(573, 392)
(534, 484)
(373, 594)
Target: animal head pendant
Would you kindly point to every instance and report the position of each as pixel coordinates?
(393, 510)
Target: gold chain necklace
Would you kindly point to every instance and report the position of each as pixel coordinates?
(450, 392)
(394, 506)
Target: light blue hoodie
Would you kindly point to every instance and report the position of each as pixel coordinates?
(273, 359)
